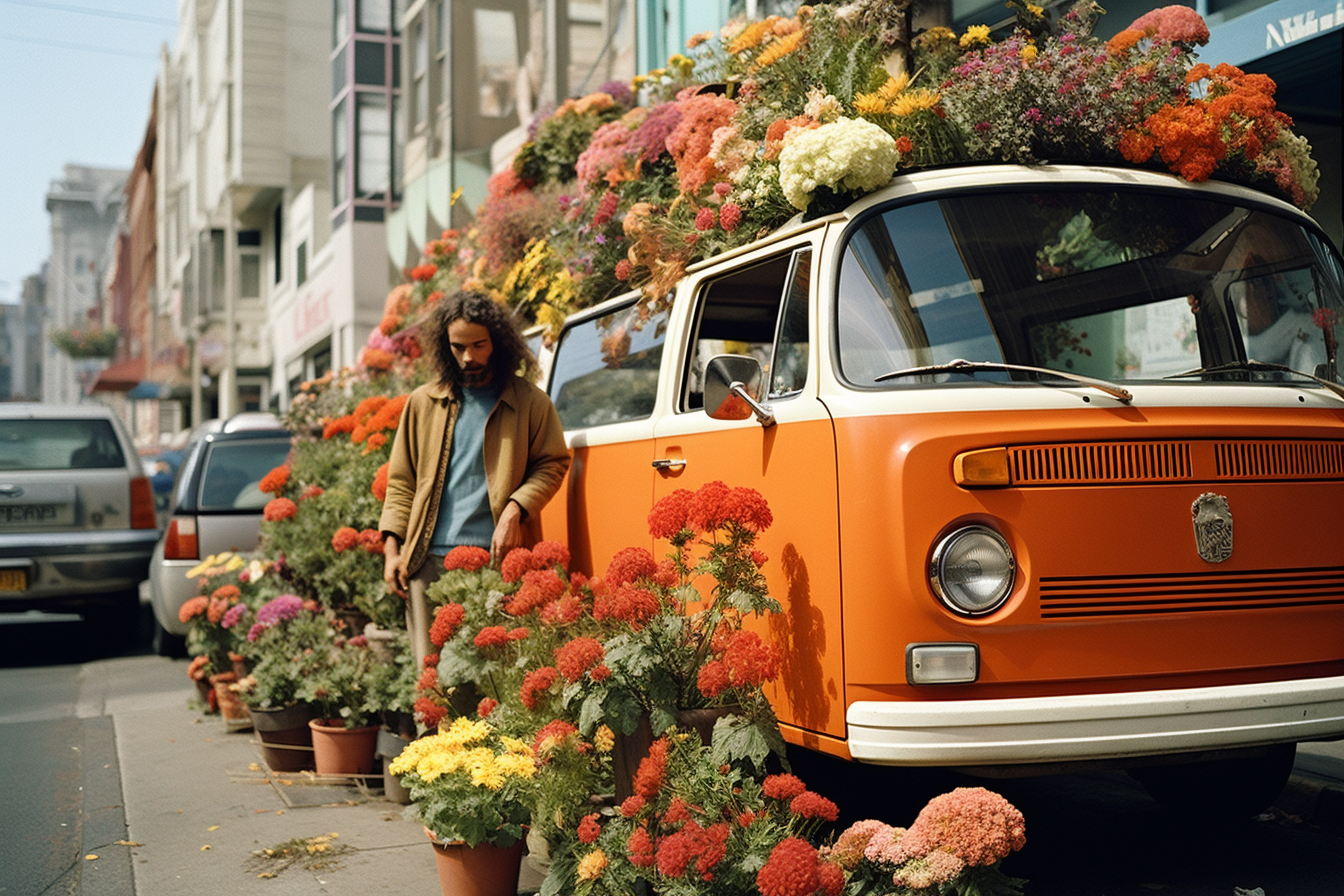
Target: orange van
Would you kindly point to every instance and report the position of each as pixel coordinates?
(1055, 456)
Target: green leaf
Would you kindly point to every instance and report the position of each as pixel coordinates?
(737, 738)
(591, 712)
(622, 711)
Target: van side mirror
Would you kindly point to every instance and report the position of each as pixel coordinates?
(733, 388)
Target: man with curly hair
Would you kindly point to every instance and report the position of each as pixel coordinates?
(477, 454)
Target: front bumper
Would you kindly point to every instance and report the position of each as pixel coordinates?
(1095, 727)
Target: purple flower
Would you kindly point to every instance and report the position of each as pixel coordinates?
(286, 606)
(649, 140)
(233, 614)
(255, 631)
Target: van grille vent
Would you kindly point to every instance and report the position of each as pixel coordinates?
(1279, 460)
(1118, 463)
(1073, 597)
(1100, 462)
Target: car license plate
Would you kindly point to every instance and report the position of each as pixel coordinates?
(13, 579)
(36, 514)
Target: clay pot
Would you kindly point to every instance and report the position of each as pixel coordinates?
(231, 706)
(338, 750)
(482, 870)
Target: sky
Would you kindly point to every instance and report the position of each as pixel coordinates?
(76, 81)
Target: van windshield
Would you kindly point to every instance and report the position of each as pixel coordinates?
(1118, 285)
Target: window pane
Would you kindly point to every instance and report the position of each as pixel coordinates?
(496, 61)
(340, 150)
(369, 62)
(340, 21)
(374, 155)
(375, 15)
(59, 445)
(606, 369)
(249, 276)
(788, 369)
(234, 470)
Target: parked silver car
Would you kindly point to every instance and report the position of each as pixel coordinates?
(77, 520)
(216, 506)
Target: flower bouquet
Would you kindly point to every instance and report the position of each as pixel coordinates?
(287, 632)
(469, 783)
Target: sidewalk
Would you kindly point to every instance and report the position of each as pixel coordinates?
(199, 803)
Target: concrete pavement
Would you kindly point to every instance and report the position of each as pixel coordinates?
(199, 803)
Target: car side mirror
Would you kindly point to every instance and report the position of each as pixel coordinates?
(733, 389)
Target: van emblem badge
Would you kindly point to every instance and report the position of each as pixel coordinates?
(1213, 527)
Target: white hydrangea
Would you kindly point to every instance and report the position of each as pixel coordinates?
(847, 155)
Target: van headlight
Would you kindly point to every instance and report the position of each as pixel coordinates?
(972, 570)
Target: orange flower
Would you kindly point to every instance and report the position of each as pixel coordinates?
(274, 481)
(192, 608)
(278, 509)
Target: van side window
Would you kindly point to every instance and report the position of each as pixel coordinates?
(606, 368)
(760, 311)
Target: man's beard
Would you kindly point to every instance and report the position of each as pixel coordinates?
(476, 377)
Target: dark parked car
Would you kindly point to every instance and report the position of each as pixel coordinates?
(217, 507)
(77, 520)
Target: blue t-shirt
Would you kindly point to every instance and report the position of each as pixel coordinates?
(464, 508)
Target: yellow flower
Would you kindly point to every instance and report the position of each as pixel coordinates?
(890, 90)
(976, 34)
(750, 36)
(604, 739)
(916, 100)
(682, 64)
(1028, 52)
(592, 865)
(780, 48)
(869, 104)
(1034, 9)
(452, 200)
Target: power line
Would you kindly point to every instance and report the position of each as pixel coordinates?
(85, 48)
(90, 11)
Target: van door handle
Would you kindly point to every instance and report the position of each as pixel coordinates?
(669, 463)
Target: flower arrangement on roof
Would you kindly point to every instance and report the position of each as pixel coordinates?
(764, 120)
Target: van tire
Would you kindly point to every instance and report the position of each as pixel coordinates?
(1220, 789)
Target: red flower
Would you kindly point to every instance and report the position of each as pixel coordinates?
(630, 565)
(535, 685)
(518, 634)
(379, 487)
(668, 516)
(423, 272)
(429, 713)
(813, 805)
(576, 657)
(486, 706)
(344, 539)
(705, 219)
(748, 508)
(707, 510)
(539, 587)
(491, 636)
(551, 553)
(750, 661)
(904, 145)
(730, 215)
(371, 540)
(311, 491)
(589, 830)
(631, 805)
(831, 878)
(467, 557)
(640, 849)
(560, 612)
(712, 679)
(428, 680)
(552, 735)
(278, 509)
(275, 480)
(791, 870)
(623, 269)
(600, 672)
(783, 787)
(649, 776)
(628, 604)
(446, 620)
(517, 562)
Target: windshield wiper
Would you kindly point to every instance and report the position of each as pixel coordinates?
(1250, 365)
(961, 365)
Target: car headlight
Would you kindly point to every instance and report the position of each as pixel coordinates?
(972, 570)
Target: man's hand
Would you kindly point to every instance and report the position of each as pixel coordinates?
(508, 533)
(394, 574)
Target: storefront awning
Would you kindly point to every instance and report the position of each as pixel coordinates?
(122, 377)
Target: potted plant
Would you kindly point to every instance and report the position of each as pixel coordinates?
(336, 682)
(213, 633)
(285, 632)
(472, 788)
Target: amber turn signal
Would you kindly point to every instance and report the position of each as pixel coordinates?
(985, 468)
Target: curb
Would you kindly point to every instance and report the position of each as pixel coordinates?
(103, 829)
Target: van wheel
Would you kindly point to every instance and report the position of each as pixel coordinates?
(1224, 789)
(165, 643)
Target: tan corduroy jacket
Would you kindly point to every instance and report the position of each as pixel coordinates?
(525, 461)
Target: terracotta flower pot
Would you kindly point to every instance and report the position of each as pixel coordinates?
(338, 750)
(482, 870)
(286, 739)
(231, 706)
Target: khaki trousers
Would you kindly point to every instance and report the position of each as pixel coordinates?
(418, 619)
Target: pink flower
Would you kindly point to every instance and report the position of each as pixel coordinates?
(705, 219)
(977, 825)
(730, 215)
